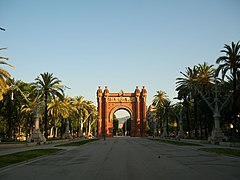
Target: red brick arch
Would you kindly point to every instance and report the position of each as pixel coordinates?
(134, 103)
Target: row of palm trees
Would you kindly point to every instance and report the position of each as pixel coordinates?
(195, 88)
(21, 101)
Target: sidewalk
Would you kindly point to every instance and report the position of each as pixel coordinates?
(205, 143)
(14, 148)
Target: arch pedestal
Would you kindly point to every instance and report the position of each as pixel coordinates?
(134, 103)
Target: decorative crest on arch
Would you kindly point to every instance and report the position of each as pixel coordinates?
(121, 93)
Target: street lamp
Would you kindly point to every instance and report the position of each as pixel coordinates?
(37, 136)
(217, 134)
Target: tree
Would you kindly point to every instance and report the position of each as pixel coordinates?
(59, 110)
(159, 101)
(206, 81)
(92, 122)
(50, 87)
(7, 110)
(115, 124)
(80, 113)
(167, 108)
(159, 98)
(4, 75)
(196, 80)
(230, 62)
(186, 87)
(91, 110)
(206, 76)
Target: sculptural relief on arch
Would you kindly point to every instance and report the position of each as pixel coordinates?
(134, 103)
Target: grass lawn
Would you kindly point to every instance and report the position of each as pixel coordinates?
(78, 143)
(225, 151)
(6, 160)
(13, 142)
(179, 143)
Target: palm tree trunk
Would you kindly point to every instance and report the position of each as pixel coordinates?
(10, 123)
(45, 117)
(167, 128)
(195, 117)
(62, 127)
(200, 123)
(54, 128)
(81, 129)
(187, 118)
(177, 128)
(234, 100)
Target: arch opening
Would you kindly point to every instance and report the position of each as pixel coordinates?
(121, 123)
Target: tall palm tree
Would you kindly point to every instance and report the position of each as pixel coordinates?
(206, 81)
(230, 62)
(50, 87)
(186, 87)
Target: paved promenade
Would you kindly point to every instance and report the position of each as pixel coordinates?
(128, 158)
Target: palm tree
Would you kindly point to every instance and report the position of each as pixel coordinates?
(206, 80)
(80, 111)
(186, 87)
(54, 110)
(230, 62)
(3, 74)
(166, 106)
(206, 76)
(50, 87)
(227, 85)
(8, 108)
(92, 120)
(159, 98)
(198, 80)
(176, 113)
(158, 102)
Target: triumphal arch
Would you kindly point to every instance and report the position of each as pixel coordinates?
(134, 103)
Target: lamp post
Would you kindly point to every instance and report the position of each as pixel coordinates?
(217, 134)
(125, 128)
(36, 136)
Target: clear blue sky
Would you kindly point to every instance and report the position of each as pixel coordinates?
(116, 43)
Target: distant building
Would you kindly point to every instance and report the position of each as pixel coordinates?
(120, 126)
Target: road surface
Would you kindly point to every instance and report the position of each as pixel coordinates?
(128, 158)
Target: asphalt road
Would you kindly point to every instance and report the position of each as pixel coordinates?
(128, 158)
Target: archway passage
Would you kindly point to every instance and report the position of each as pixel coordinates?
(134, 103)
(121, 123)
